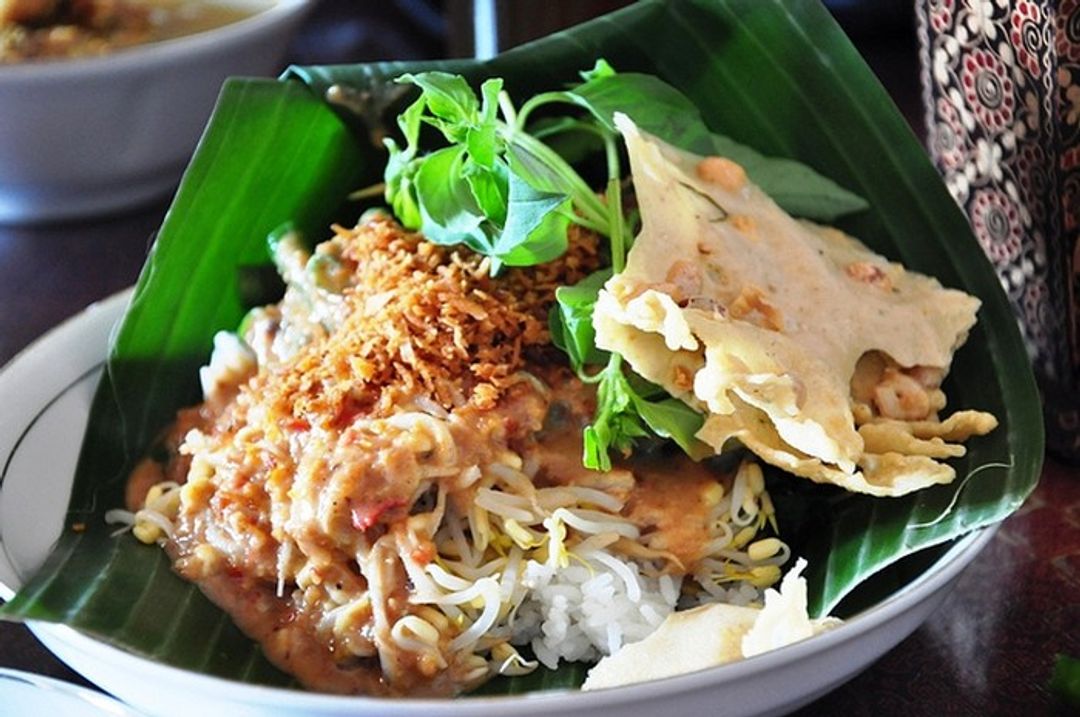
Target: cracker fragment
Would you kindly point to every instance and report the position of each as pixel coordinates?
(803, 345)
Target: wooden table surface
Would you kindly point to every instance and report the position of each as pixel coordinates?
(987, 651)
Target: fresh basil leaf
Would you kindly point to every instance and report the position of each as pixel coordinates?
(583, 294)
(449, 98)
(594, 441)
(448, 210)
(617, 423)
(535, 170)
(489, 93)
(409, 124)
(401, 167)
(644, 388)
(617, 433)
(571, 320)
(469, 192)
(482, 139)
(480, 142)
(627, 428)
(671, 418)
(490, 188)
(400, 178)
(625, 413)
(794, 186)
(536, 225)
(654, 105)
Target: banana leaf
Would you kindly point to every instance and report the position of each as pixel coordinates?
(777, 76)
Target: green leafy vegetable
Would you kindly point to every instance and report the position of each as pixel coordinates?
(539, 219)
(571, 321)
(626, 405)
(617, 423)
(798, 189)
(400, 172)
(654, 105)
(503, 192)
(474, 192)
(671, 418)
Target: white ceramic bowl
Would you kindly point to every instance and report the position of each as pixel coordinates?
(90, 136)
(46, 392)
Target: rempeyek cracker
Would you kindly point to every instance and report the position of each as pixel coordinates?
(817, 354)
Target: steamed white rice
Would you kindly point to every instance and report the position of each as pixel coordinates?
(586, 611)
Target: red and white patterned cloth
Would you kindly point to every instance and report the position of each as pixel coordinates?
(1002, 90)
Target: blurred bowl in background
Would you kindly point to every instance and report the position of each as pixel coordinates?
(87, 136)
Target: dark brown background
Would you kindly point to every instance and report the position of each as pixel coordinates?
(990, 648)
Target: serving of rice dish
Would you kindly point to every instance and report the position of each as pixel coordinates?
(407, 476)
(405, 529)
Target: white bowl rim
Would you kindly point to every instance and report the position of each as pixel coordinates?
(150, 55)
(101, 704)
(933, 579)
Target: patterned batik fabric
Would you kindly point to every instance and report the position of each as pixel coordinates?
(1001, 81)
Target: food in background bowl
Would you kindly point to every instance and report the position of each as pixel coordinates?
(53, 29)
(109, 132)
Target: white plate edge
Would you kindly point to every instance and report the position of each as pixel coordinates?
(100, 701)
(20, 376)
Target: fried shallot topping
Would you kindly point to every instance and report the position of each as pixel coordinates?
(426, 320)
